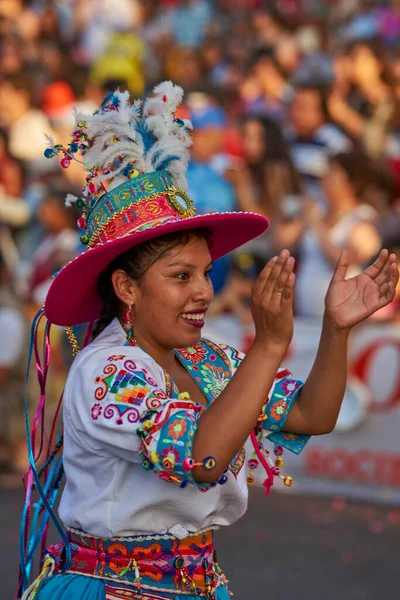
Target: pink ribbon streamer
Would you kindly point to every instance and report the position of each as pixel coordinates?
(269, 482)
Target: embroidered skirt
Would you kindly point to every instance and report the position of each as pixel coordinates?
(158, 567)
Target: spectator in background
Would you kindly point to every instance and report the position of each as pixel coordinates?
(266, 182)
(58, 98)
(11, 172)
(265, 88)
(184, 67)
(26, 125)
(96, 20)
(59, 245)
(313, 138)
(208, 186)
(122, 59)
(273, 178)
(269, 28)
(12, 375)
(349, 223)
(365, 113)
(189, 22)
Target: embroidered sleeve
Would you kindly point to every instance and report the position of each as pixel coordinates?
(283, 394)
(132, 416)
(275, 411)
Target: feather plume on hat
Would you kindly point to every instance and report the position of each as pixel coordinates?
(123, 138)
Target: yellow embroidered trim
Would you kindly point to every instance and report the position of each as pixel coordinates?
(171, 193)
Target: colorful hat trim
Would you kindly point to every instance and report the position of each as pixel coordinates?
(143, 200)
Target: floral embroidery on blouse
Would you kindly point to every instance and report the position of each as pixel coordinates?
(177, 428)
(284, 393)
(215, 378)
(128, 398)
(195, 354)
(96, 411)
(278, 410)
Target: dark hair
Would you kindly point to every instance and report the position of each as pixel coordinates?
(265, 54)
(364, 172)
(276, 151)
(135, 262)
(322, 91)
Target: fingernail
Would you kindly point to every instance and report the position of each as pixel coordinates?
(274, 259)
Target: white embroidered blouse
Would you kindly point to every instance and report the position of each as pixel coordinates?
(127, 441)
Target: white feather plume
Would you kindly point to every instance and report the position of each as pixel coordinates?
(70, 199)
(173, 93)
(116, 136)
(50, 140)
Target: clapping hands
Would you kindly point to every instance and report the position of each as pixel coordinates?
(350, 301)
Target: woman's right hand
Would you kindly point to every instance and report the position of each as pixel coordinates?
(272, 303)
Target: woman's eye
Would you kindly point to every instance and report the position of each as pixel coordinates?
(208, 273)
(183, 276)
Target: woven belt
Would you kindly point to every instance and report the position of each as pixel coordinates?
(156, 562)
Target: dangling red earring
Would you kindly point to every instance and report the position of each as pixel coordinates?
(128, 326)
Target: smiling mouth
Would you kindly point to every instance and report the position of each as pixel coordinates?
(193, 316)
(194, 319)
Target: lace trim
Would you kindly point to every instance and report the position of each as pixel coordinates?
(143, 538)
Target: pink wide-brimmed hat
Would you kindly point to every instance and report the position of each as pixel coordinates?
(136, 191)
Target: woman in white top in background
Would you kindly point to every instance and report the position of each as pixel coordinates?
(349, 223)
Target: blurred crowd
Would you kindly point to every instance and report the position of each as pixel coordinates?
(296, 113)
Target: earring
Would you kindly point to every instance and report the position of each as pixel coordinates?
(128, 326)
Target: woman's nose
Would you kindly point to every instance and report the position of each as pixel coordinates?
(203, 290)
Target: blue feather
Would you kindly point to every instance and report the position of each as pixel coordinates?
(147, 136)
(107, 98)
(165, 163)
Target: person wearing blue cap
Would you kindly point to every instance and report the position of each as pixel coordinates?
(209, 188)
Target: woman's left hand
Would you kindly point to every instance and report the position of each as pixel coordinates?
(350, 301)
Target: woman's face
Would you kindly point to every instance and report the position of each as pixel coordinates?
(336, 186)
(174, 296)
(253, 141)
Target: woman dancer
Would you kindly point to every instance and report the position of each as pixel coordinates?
(155, 418)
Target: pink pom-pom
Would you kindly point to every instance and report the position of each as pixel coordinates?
(92, 187)
(275, 470)
(188, 464)
(65, 162)
(81, 223)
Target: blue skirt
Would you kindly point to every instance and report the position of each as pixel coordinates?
(80, 587)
